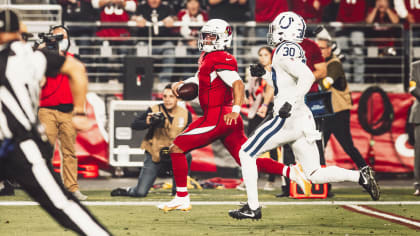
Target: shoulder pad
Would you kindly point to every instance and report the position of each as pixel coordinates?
(290, 50)
(222, 56)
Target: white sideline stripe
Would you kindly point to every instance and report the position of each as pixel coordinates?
(384, 215)
(204, 203)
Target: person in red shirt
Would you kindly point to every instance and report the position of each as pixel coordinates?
(265, 14)
(310, 10)
(353, 11)
(114, 11)
(314, 61)
(383, 41)
(55, 113)
(408, 9)
(382, 13)
(191, 14)
(221, 93)
(351, 37)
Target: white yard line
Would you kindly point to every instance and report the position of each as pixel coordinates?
(198, 203)
(412, 223)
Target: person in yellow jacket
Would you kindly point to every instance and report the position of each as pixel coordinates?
(339, 123)
(164, 122)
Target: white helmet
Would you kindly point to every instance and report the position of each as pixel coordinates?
(221, 32)
(287, 26)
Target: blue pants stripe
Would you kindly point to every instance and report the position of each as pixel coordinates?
(267, 137)
(259, 134)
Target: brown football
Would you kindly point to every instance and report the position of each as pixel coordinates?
(188, 91)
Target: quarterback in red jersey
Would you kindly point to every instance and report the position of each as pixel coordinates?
(219, 84)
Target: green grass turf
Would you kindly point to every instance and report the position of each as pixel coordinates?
(213, 220)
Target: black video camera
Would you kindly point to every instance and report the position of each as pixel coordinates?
(50, 40)
(157, 120)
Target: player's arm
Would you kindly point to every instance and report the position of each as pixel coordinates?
(320, 71)
(304, 78)
(177, 85)
(268, 97)
(335, 71)
(232, 79)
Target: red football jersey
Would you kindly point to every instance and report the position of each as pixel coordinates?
(212, 90)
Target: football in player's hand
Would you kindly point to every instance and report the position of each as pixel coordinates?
(188, 91)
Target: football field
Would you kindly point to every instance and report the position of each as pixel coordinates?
(349, 212)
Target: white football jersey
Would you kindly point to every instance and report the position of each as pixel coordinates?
(290, 76)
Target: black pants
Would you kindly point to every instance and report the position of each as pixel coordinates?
(339, 125)
(28, 163)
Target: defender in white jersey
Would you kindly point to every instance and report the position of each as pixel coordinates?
(292, 121)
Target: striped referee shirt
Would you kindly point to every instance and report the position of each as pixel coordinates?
(21, 70)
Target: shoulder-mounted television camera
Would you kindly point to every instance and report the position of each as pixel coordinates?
(51, 41)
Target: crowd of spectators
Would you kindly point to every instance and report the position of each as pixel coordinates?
(166, 12)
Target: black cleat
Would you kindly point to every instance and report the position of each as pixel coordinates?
(246, 213)
(7, 190)
(367, 180)
(119, 192)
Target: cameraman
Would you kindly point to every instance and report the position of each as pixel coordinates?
(164, 121)
(339, 123)
(55, 112)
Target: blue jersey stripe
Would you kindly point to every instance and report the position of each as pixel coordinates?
(274, 78)
(267, 137)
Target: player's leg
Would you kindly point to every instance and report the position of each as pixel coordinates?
(278, 136)
(237, 138)
(266, 137)
(31, 170)
(234, 140)
(307, 154)
(197, 135)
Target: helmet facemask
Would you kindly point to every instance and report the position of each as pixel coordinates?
(216, 35)
(209, 41)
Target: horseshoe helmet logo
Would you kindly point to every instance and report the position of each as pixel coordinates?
(287, 23)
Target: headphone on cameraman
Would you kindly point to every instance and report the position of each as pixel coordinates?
(52, 28)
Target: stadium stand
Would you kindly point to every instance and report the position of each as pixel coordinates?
(388, 68)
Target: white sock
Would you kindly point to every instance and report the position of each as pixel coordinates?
(333, 174)
(250, 176)
(284, 171)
